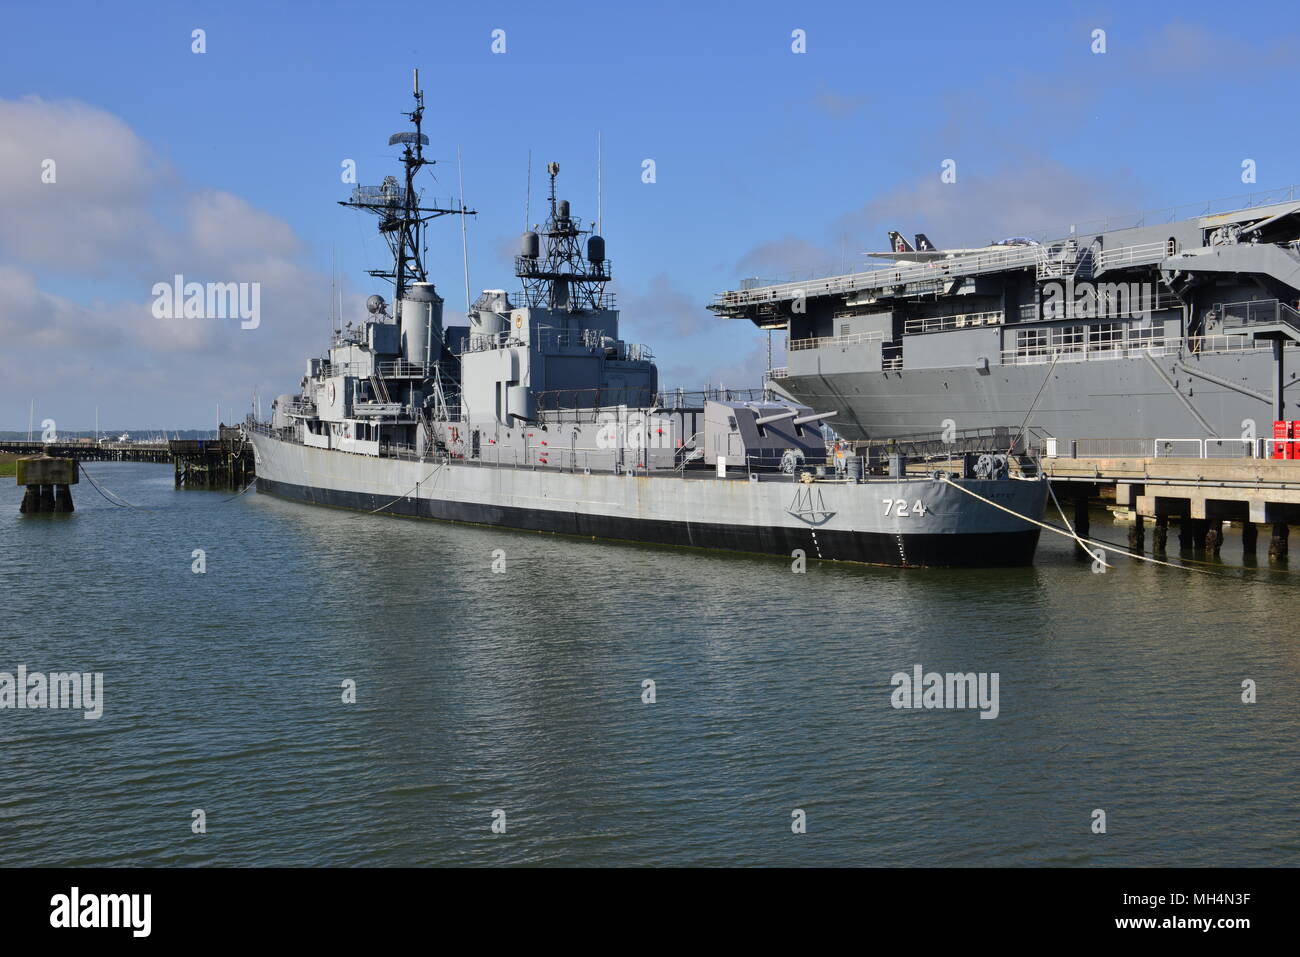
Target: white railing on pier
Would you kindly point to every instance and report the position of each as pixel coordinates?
(1212, 447)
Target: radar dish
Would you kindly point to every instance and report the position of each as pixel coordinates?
(408, 138)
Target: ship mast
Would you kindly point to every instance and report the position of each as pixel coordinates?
(560, 276)
(401, 217)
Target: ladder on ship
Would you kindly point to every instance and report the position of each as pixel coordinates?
(380, 389)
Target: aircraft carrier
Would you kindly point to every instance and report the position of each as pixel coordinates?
(1180, 326)
(536, 415)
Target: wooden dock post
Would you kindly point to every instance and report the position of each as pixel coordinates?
(1249, 539)
(1137, 534)
(1213, 535)
(223, 463)
(1082, 525)
(1160, 540)
(1277, 547)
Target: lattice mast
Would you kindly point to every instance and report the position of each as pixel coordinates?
(560, 276)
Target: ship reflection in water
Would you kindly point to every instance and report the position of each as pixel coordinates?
(521, 691)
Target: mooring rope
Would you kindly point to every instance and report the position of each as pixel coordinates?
(404, 495)
(1061, 512)
(122, 504)
(1057, 531)
(251, 483)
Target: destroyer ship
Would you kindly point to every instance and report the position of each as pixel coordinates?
(536, 415)
(1182, 331)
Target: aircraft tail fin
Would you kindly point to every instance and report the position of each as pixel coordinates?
(923, 243)
(898, 244)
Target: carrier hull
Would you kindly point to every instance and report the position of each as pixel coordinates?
(1166, 397)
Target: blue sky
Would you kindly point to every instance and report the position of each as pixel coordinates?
(226, 164)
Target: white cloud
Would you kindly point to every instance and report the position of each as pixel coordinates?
(97, 210)
(116, 210)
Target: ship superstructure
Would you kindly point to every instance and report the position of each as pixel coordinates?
(1166, 329)
(536, 414)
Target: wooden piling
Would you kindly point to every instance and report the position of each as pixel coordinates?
(1249, 539)
(1137, 534)
(1160, 540)
(1277, 547)
(1213, 535)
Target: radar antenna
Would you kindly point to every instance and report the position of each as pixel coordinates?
(401, 217)
(561, 276)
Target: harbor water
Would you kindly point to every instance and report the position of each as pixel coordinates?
(501, 716)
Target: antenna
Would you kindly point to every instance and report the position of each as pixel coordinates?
(416, 74)
(598, 184)
(464, 239)
(528, 193)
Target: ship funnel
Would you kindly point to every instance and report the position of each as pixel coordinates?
(421, 318)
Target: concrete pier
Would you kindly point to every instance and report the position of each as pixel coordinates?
(1201, 493)
(48, 482)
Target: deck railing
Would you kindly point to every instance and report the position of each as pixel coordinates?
(826, 342)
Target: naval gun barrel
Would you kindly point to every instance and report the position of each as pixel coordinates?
(815, 417)
(775, 417)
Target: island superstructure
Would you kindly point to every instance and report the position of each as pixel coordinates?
(1141, 329)
(537, 415)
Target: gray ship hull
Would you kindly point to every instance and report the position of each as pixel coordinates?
(913, 522)
(1163, 397)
